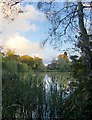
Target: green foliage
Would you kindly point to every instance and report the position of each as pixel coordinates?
(15, 63)
(41, 67)
(22, 95)
(24, 91)
(28, 60)
(78, 106)
(22, 67)
(10, 66)
(62, 64)
(38, 64)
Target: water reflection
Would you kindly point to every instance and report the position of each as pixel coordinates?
(47, 81)
(40, 95)
(51, 84)
(56, 89)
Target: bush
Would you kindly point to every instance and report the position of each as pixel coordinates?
(22, 67)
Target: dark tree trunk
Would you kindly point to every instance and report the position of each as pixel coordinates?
(85, 43)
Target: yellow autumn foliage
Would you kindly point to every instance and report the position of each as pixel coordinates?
(64, 56)
(26, 57)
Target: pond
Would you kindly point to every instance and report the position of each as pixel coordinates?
(39, 95)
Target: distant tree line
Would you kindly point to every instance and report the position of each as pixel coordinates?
(16, 63)
(13, 62)
(61, 63)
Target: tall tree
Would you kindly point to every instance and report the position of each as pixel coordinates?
(69, 20)
(72, 21)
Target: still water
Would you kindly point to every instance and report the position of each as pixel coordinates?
(54, 89)
(39, 95)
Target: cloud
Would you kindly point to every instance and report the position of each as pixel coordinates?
(22, 46)
(34, 14)
(24, 22)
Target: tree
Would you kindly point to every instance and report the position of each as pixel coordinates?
(64, 56)
(38, 64)
(11, 55)
(11, 8)
(28, 60)
(67, 21)
(70, 22)
(61, 63)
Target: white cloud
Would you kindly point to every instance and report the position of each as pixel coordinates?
(24, 22)
(22, 46)
(34, 14)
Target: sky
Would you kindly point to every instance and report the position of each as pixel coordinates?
(25, 33)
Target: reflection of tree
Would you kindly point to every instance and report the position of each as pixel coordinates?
(67, 21)
(27, 97)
